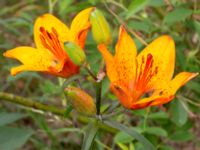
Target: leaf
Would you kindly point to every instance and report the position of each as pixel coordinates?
(166, 147)
(131, 132)
(178, 112)
(193, 86)
(197, 27)
(182, 135)
(122, 146)
(157, 3)
(6, 118)
(136, 6)
(122, 137)
(13, 138)
(105, 86)
(158, 115)
(156, 131)
(177, 15)
(144, 26)
(89, 136)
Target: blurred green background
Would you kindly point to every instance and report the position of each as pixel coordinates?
(175, 126)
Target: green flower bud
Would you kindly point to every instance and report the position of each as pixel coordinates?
(100, 27)
(81, 101)
(75, 53)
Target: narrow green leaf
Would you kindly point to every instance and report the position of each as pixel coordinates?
(136, 6)
(177, 15)
(122, 146)
(182, 135)
(179, 114)
(13, 138)
(158, 115)
(156, 131)
(6, 118)
(131, 132)
(89, 136)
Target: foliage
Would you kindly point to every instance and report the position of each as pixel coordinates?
(172, 126)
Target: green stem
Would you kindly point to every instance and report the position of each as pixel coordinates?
(46, 108)
(98, 97)
(30, 103)
(145, 118)
(90, 73)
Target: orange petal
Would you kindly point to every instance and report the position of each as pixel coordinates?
(110, 64)
(167, 93)
(80, 25)
(151, 101)
(68, 70)
(125, 56)
(162, 51)
(122, 93)
(32, 59)
(179, 80)
(48, 21)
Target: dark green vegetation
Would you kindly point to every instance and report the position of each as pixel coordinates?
(174, 126)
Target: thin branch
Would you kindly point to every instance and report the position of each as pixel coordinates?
(124, 24)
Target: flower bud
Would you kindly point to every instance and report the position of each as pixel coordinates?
(75, 53)
(100, 27)
(81, 101)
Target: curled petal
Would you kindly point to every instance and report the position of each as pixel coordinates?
(80, 25)
(151, 101)
(165, 94)
(110, 63)
(179, 80)
(33, 59)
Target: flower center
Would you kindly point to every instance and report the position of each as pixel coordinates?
(51, 42)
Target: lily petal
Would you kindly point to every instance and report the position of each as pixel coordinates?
(151, 101)
(32, 59)
(179, 80)
(125, 56)
(48, 21)
(166, 94)
(162, 51)
(110, 63)
(122, 93)
(80, 25)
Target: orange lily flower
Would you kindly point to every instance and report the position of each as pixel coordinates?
(49, 35)
(145, 79)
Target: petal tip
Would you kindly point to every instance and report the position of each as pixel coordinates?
(14, 71)
(7, 54)
(45, 15)
(193, 75)
(168, 38)
(122, 29)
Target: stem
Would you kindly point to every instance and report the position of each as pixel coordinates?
(98, 97)
(31, 104)
(145, 118)
(90, 73)
(46, 108)
(51, 5)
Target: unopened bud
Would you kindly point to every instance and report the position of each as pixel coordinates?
(75, 53)
(100, 27)
(81, 101)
